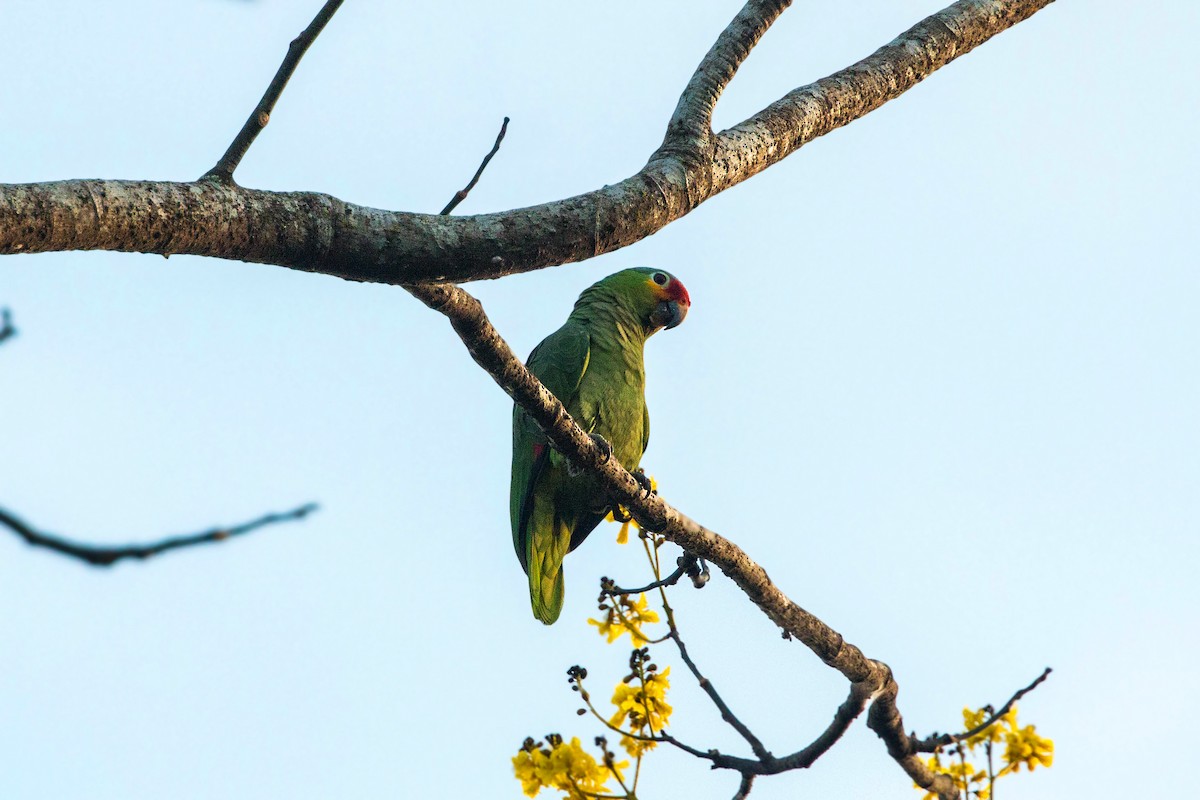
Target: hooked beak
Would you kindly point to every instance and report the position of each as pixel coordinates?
(669, 313)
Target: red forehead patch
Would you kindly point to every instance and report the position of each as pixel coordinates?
(678, 292)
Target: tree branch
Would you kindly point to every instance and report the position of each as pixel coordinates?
(843, 718)
(101, 556)
(462, 193)
(744, 787)
(932, 743)
(690, 130)
(223, 170)
(726, 713)
(611, 588)
(319, 233)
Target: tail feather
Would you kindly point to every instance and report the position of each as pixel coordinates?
(546, 582)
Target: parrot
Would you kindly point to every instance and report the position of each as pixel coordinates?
(594, 365)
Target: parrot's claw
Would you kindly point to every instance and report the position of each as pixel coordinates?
(574, 470)
(620, 515)
(643, 481)
(604, 446)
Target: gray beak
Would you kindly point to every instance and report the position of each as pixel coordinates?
(668, 314)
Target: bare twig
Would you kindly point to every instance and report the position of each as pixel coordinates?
(223, 170)
(932, 743)
(611, 588)
(726, 713)
(101, 556)
(462, 193)
(744, 787)
(7, 331)
(688, 565)
(848, 711)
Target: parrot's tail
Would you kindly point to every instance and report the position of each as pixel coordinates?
(546, 581)
(546, 593)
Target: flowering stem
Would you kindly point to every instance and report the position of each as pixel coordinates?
(588, 700)
(933, 743)
(991, 771)
(962, 759)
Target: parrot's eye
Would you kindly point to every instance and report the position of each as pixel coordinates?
(659, 278)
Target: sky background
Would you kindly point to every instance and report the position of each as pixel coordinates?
(940, 379)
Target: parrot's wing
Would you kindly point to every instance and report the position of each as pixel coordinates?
(559, 362)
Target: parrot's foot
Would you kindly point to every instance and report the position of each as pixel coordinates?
(606, 450)
(603, 444)
(639, 475)
(643, 481)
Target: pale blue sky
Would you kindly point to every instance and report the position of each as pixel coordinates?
(940, 379)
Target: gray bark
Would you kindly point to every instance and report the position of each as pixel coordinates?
(319, 233)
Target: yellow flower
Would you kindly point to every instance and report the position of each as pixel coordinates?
(566, 767)
(626, 615)
(527, 765)
(1024, 746)
(643, 703)
(636, 747)
(992, 733)
(623, 533)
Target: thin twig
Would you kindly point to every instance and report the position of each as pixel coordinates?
(7, 331)
(744, 787)
(100, 556)
(690, 565)
(670, 580)
(932, 743)
(726, 713)
(848, 711)
(461, 194)
(223, 170)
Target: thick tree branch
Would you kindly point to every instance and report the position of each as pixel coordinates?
(814, 110)
(318, 233)
(102, 556)
(689, 132)
(223, 170)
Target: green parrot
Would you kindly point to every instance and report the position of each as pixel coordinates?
(594, 365)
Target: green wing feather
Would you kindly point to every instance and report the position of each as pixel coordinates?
(541, 535)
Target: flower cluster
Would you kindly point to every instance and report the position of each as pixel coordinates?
(640, 700)
(641, 703)
(1022, 747)
(623, 614)
(565, 766)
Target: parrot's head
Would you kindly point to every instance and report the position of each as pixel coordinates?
(657, 297)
